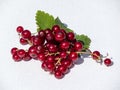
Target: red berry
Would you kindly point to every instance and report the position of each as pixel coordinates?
(108, 62)
(96, 55)
(49, 37)
(48, 31)
(78, 46)
(26, 34)
(50, 66)
(23, 41)
(44, 66)
(55, 28)
(19, 29)
(63, 54)
(64, 45)
(70, 36)
(50, 59)
(33, 51)
(21, 53)
(73, 56)
(59, 36)
(16, 58)
(52, 48)
(63, 69)
(41, 57)
(58, 74)
(14, 50)
(67, 62)
(41, 33)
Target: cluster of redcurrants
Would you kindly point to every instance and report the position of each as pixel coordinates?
(55, 48)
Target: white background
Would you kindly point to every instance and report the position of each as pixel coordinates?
(99, 19)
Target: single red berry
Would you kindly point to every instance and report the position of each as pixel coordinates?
(16, 58)
(63, 54)
(108, 62)
(64, 45)
(50, 59)
(67, 62)
(59, 36)
(52, 48)
(48, 31)
(73, 56)
(44, 66)
(23, 41)
(55, 28)
(19, 29)
(63, 69)
(50, 67)
(21, 53)
(96, 55)
(58, 74)
(41, 33)
(26, 34)
(33, 52)
(41, 57)
(70, 36)
(14, 50)
(78, 46)
(49, 37)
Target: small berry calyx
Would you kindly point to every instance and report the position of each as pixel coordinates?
(56, 46)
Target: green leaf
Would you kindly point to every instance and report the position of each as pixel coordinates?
(44, 20)
(85, 39)
(62, 25)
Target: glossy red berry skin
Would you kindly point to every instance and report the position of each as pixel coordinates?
(42, 33)
(50, 67)
(63, 69)
(19, 29)
(78, 46)
(41, 57)
(96, 55)
(63, 54)
(48, 31)
(60, 36)
(52, 48)
(64, 45)
(14, 50)
(70, 36)
(55, 28)
(50, 59)
(44, 66)
(67, 62)
(108, 62)
(26, 34)
(49, 37)
(73, 56)
(58, 74)
(23, 41)
(21, 53)
(33, 52)
(16, 58)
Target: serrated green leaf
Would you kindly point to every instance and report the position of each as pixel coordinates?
(62, 25)
(44, 20)
(85, 39)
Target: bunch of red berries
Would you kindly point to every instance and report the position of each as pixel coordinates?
(57, 49)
